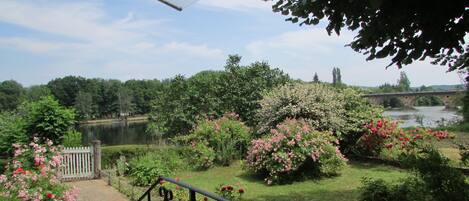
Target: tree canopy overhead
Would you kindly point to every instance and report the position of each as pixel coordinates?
(404, 30)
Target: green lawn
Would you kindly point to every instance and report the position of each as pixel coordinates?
(343, 187)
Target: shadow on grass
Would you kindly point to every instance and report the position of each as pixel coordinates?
(372, 165)
(318, 195)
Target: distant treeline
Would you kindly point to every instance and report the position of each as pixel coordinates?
(95, 98)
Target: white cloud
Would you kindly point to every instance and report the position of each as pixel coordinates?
(88, 32)
(315, 40)
(238, 4)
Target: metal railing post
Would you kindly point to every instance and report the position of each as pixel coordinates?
(191, 195)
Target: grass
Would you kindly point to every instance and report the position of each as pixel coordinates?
(339, 188)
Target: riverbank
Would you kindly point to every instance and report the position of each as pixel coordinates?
(143, 118)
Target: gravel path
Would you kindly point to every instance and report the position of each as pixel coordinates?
(97, 190)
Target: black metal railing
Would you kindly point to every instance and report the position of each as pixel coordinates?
(167, 194)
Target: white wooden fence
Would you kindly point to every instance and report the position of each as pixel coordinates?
(78, 163)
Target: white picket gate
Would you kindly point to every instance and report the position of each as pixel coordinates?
(78, 163)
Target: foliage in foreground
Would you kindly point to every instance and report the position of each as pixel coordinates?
(294, 150)
(226, 137)
(32, 174)
(46, 118)
(147, 168)
(433, 180)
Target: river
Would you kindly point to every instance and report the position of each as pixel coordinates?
(428, 116)
(134, 132)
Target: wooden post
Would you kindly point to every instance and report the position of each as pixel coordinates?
(97, 158)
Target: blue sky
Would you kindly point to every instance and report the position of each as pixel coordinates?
(144, 39)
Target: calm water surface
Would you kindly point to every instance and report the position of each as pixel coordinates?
(115, 133)
(430, 116)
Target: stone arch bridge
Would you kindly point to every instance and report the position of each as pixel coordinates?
(408, 99)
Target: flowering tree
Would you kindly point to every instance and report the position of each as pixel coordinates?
(32, 174)
(295, 148)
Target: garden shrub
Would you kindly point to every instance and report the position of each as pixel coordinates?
(433, 179)
(110, 154)
(147, 168)
(358, 112)
(411, 189)
(32, 174)
(12, 130)
(72, 138)
(294, 150)
(226, 136)
(318, 104)
(199, 155)
(386, 135)
(46, 118)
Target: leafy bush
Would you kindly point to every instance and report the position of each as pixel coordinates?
(386, 134)
(199, 155)
(147, 168)
(46, 118)
(110, 154)
(358, 112)
(318, 104)
(294, 150)
(72, 138)
(11, 131)
(411, 189)
(32, 174)
(227, 137)
(433, 180)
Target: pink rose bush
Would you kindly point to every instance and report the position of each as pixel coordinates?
(32, 175)
(294, 149)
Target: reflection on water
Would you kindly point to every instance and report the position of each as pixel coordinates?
(115, 133)
(428, 116)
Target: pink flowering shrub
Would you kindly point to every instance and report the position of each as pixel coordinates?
(32, 174)
(385, 135)
(292, 150)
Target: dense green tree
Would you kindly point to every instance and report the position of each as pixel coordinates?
(12, 94)
(125, 102)
(171, 109)
(12, 130)
(245, 86)
(46, 118)
(36, 92)
(143, 92)
(336, 77)
(316, 78)
(211, 93)
(403, 84)
(66, 89)
(107, 98)
(84, 105)
(466, 103)
(404, 30)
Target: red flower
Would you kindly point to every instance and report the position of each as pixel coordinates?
(229, 188)
(379, 124)
(241, 191)
(49, 195)
(389, 146)
(19, 170)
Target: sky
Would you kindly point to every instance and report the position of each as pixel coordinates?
(144, 39)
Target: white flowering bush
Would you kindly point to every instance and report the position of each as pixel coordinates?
(32, 175)
(319, 105)
(294, 150)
